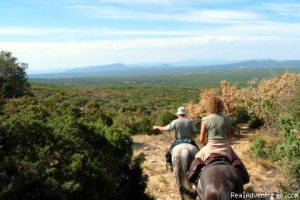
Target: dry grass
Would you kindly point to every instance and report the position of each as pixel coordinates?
(264, 177)
(161, 183)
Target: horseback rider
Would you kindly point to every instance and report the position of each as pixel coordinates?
(184, 130)
(214, 134)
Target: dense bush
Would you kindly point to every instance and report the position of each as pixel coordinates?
(55, 151)
(271, 98)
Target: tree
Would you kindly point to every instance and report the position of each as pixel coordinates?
(13, 81)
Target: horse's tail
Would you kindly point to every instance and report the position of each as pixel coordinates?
(185, 161)
(181, 163)
(182, 158)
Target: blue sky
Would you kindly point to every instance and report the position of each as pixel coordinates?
(61, 34)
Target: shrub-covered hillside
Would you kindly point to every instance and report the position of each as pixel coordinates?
(51, 148)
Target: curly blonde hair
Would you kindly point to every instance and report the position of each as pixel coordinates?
(214, 105)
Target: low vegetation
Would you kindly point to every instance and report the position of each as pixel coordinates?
(71, 142)
(200, 80)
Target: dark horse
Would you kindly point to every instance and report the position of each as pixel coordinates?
(182, 156)
(219, 182)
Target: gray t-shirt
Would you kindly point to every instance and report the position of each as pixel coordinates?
(184, 128)
(216, 126)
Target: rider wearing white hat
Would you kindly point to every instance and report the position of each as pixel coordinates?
(184, 130)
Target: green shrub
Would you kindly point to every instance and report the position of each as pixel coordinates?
(143, 125)
(290, 146)
(259, 147)
(58, 153)
(133, 183)
(165, 118)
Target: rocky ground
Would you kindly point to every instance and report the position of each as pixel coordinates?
(265, 177)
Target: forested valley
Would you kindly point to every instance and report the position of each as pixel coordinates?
(75, 142)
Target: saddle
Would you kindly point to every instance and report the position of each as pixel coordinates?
(197, 165)
(184, 140)
(217, 159)
(214, 160)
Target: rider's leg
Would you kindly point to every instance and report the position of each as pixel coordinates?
(237, 163)
(195, 169)
(169, 157)
(168, 154)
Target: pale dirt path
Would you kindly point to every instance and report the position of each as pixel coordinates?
(161, 183)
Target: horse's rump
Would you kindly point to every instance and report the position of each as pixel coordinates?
(218, 182)
(182, 156)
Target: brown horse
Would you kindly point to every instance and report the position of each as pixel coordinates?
(219, 181)
(182, 156)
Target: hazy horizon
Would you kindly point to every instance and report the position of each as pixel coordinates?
(197, 65)
(143, 64)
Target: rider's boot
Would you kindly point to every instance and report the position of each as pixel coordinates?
(169, 164)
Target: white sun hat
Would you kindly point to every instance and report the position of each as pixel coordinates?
(181, 111)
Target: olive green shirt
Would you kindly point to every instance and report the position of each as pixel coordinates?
(216, 126)
(184, 128)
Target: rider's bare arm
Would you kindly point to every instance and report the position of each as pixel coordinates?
(162, 128)
(203, 134)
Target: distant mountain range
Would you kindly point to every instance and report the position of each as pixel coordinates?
(178, 68)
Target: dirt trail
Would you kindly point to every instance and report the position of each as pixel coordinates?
(161, 183)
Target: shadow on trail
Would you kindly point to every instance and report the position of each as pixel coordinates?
(139, 145)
